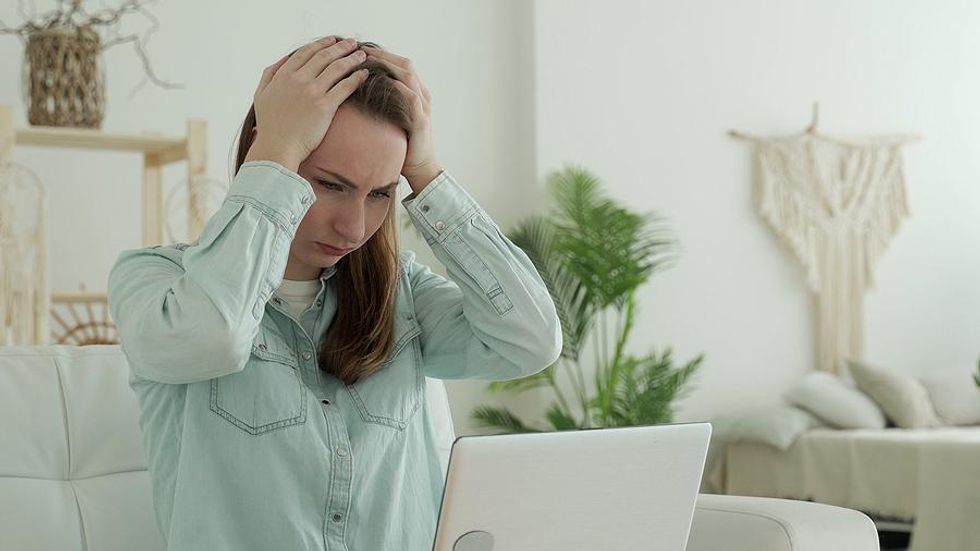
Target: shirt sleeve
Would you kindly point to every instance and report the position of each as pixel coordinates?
(188, 313)
(493, 318)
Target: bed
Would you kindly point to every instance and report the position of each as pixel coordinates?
(926, 479)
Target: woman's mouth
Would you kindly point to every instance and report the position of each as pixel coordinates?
(332, 251)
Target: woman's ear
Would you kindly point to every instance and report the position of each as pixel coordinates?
(255, 132)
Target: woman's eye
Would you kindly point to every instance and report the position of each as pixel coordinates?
(337, 187)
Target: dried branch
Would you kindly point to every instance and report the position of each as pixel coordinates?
(70, 14)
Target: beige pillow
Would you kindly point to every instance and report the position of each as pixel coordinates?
(954, 395)
(835, 402)
(903, 399)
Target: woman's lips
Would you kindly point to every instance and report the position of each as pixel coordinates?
(332, 251)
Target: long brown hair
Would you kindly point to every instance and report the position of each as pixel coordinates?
(362, 332)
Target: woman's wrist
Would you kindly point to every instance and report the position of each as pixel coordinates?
(262, 152)
(418, 180)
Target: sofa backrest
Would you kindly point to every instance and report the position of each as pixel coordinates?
(72, 471)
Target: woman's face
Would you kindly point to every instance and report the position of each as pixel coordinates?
(354, 173)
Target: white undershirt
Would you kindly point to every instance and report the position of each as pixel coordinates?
(298, 295)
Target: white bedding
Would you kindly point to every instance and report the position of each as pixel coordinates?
(931, 476)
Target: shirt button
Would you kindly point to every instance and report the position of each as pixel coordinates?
(277, 301)
(440, 225)
(337, 517)
(325, 402)
(342, 452)
(425, 208)
(307, 355)
(292, 219)
(262, 347)
(319, 303)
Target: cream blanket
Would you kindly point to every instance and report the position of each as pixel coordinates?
(931, 476)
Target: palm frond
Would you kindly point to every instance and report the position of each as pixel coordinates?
(543, 378)
(610, 249)
(649, 387)
(499, 418)
(561, 419)
(536, 237)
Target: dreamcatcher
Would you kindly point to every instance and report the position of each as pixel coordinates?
(24, 301)
(208, 192)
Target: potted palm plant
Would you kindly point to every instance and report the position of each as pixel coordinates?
(593, 254)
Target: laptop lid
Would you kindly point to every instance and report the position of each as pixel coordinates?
(622, 488)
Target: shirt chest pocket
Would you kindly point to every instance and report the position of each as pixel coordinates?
(392, 395)
(267, 395)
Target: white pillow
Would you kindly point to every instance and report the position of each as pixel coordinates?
(835, 402)
(955, 395)
(903, 399)
(777, 425)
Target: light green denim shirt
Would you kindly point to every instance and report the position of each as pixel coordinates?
(250, 446)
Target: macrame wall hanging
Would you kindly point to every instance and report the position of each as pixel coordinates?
(24, 299)
(837, 203)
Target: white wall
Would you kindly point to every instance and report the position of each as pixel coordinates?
(641, 92)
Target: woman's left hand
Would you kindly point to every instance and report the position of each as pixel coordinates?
(421, 166)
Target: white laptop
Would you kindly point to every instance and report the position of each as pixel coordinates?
(596, 489)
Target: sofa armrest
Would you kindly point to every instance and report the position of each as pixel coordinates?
(736, 523)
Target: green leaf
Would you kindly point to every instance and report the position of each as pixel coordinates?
(610, 249)
(538, 380)
(561, 419)
(536, 237)
(499, 418)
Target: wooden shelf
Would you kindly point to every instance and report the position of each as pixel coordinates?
(169, 149)
(78, 297)
(156, 150)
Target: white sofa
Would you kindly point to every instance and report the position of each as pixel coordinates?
(73, 477)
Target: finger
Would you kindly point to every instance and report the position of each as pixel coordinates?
(268, 73)
(409, 80)
(328, 66)
(343, 89)
(412, 96)
(402, 62)
(405, 75)
(302, 55)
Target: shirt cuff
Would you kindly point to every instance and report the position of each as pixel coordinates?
(441, 207)
(274, 189)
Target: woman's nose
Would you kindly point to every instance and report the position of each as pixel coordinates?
(349, 224)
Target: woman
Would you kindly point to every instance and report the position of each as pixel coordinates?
(301, 422)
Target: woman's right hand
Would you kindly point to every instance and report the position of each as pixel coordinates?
(297, 97)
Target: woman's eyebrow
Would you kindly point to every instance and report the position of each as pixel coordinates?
(346, 181)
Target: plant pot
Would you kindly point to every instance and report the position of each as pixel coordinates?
(64, 82)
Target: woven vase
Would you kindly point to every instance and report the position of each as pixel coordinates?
(64, 81)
